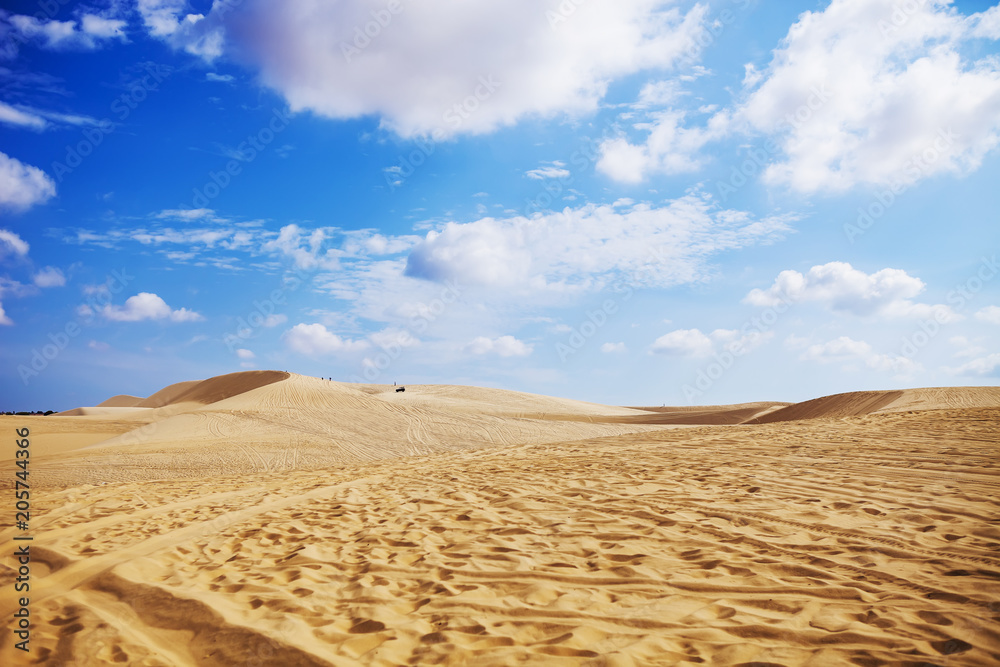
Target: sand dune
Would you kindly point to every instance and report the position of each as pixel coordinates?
(857, 403)
(120, 401)
(267, 420)
(167, 395)
(844, 540)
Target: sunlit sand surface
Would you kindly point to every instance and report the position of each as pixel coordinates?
(266, 519)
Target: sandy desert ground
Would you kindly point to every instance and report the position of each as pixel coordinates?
(272, 519)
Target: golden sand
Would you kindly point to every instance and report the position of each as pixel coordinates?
(303, 522)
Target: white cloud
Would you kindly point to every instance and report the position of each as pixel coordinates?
(848, 90)
(845, 350)
(987, 24)
(317, 340)
(842, 287)
(588, 247)
(243, 353)
(20, 118)
(980, 367)
(845, 98)
(504, 346)
(669, 148)
(11, 242)
(194, 33)
(189, 214)
(613, 348)
(683, 342)
(393, 338)
(694, 343)
(90, 33)
(433, 55)
(304, 248)
(22, 185)
(989, 314)
(102, 28)
(274, 320)
(50, 276)
(148, 306)
(98, 345)
(221, 78)
(553, 170)
(966, 347)
(4, 320)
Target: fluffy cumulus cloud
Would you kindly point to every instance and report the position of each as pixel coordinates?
(845, 97)
(694, 343)
(148, 306)
(847, 351)
(840, 286)
(589, 247)
(437, 67)
(22, 185)
(90, 31)
(670, 147)
(504, 346)
(613, 348)
(12, 244)
(316, 340)
(683, 342)
(848, 90)
(50, 276)
(197, 34)
(989, 314)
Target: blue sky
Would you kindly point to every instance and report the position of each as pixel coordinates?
(664, 202)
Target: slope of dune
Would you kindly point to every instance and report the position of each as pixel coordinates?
(167, 394)
(709, 414)
(484, 400)
(103, 411)
(851, 404)
(941, 398)
(858, 403)
(120, 401)
(865, 540)
(267, 420)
